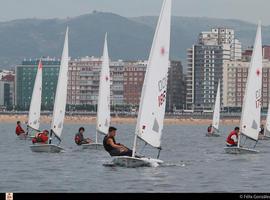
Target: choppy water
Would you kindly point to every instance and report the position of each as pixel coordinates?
(193, 163)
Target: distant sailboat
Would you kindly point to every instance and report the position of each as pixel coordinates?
(216, 116)
(59, 106)
(251, 109)
(153, 98)
(35, 106)
(266, 135)
(103, 110)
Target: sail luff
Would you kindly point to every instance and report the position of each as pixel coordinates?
(35, 105)
(216, 115)
(61, 92)
(153, 98)
(251, 109)
(103, 110)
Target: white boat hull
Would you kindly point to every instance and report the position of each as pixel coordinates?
(126, 161)
(239, 150)
(212, 135)
(48, 148)
(97, 146)
(264, 137)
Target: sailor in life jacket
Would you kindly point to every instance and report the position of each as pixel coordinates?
(209, 129)
(79, 138)
(19, 130)
(232, 139)
(41, 137)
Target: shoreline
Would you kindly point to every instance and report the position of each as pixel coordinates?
(87, 119)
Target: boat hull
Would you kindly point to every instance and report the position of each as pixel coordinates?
(47, 148)
(131, 162)
(97, 146)
(239, 150)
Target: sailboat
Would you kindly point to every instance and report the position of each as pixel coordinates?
(251, 110)
(59, 107)
(103, 110)
(216, 116)
(153, 99)
(266, 135)
(35, 106)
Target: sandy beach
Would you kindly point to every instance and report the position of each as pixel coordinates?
(84, 119)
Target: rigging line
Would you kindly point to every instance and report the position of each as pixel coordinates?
(255, 144)
(159, 150)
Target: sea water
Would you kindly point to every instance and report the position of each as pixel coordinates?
(192, 163)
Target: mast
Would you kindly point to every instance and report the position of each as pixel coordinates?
(61, 93)
(153, 96)
(249, 126)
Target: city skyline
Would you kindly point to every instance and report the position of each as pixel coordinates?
(231, 9)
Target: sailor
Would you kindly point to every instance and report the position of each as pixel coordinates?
(79, 138)
(232, 139)
(209, 129)
(41, 137)
(115, 149)
(262, 130)
(19, 129)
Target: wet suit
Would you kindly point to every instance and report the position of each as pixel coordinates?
(115, 151)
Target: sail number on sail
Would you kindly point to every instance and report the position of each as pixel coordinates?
(162, 84)
(258, 98)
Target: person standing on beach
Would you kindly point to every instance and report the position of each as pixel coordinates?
(113, 148)
(19, 130)
(79, 138)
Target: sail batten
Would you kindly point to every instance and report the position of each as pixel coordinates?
(103, 111)
(61, 93)
(251, 109)
(153, 98)
(35, 105)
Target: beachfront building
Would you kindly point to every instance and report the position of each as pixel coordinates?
(7, 91)
(83, 81)
(25, 78)
(234, 83)
(176, 89)
(134, 73)
(205, 66)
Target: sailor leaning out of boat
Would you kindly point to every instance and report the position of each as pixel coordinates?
(41, 137)
(232, 139)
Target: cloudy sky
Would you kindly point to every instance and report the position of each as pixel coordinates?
(247, 10)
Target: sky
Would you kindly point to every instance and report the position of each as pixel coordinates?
(247, 10)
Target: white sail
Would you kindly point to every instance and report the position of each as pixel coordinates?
(153, 98)
(267, 127)
(251, 110)
(35, 105)
(103, 111)
(216, 116)
(61, 93)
